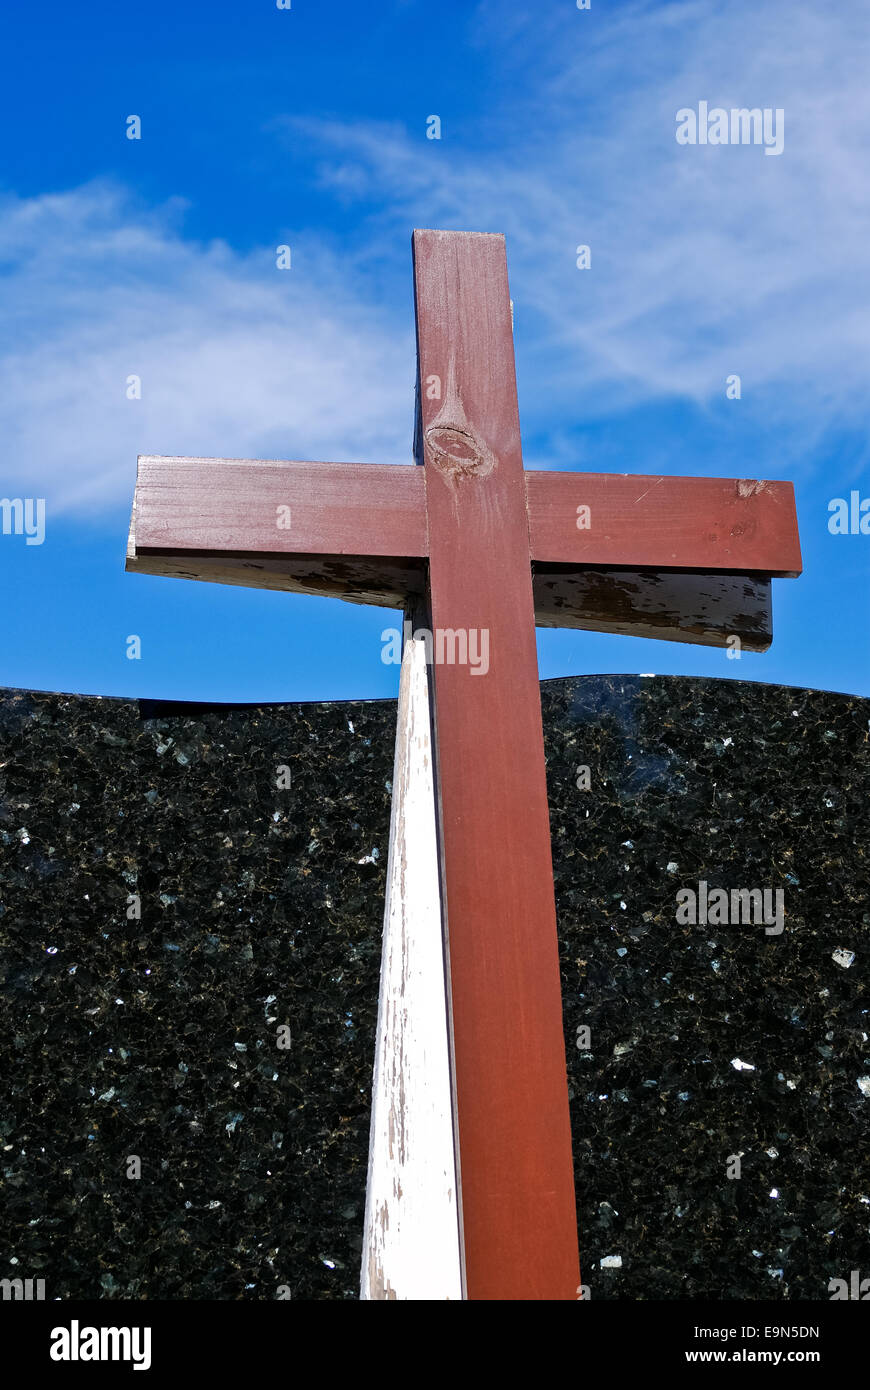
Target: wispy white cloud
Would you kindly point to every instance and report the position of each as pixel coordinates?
(236, 358)
(705, 261)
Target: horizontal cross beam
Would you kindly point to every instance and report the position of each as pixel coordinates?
(192, 504)
(304, 525)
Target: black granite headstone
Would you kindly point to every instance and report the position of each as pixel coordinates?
(156, 1037)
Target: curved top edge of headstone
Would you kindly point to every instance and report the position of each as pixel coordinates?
(156, 708)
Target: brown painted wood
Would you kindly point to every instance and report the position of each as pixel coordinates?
(517, 1176)
(232, 504)
(667, 604)
(656, 522)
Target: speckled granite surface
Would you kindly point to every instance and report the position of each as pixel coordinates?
(261, 906)
(742, 786)
(158, 1038)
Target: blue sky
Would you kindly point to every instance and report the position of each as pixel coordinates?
(308, 127)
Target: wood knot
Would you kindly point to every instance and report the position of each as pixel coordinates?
(457, 453)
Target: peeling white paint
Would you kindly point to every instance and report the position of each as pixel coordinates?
(411, 1239)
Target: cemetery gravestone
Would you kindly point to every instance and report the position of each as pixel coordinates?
(119, 1035)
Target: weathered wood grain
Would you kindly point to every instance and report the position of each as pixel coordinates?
(383, 581)
(672, 606)
(411, 1232)
(516, 1170)
(659, 522)
(214, 505)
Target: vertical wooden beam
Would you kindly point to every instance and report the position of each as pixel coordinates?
(517, 1179)
(411, 1240)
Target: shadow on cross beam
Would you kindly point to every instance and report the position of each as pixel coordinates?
(709, 608)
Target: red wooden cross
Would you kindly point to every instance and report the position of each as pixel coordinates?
(487, 547)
